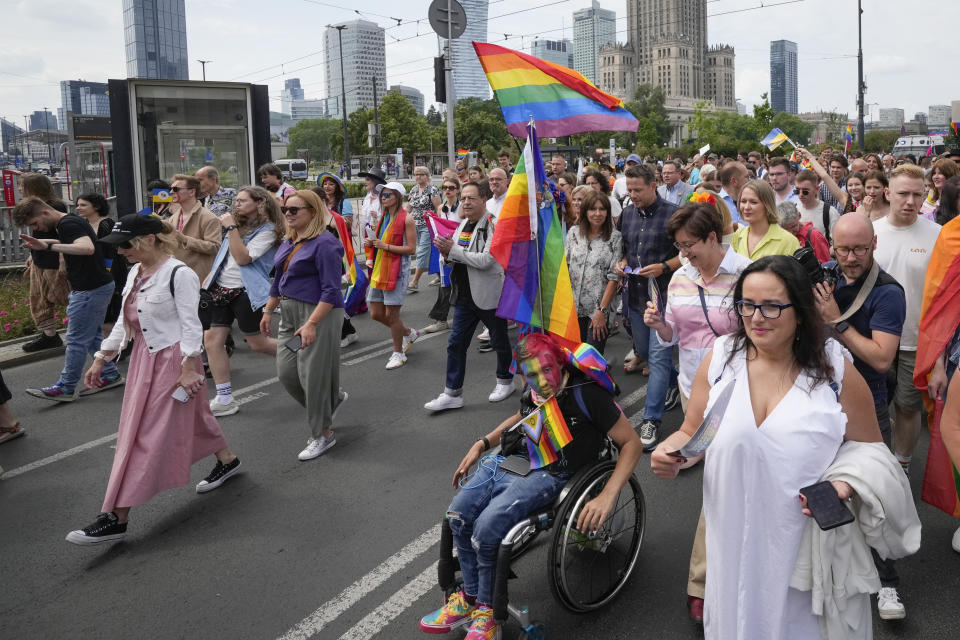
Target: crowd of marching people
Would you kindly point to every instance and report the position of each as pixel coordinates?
(818, 293)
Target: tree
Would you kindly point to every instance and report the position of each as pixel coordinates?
(763, 115)
(478, 122)
(357, 129)
(649, 103)
(401, 126)
(880, 141)
(434, 118)
(798, 130)
(315, 135)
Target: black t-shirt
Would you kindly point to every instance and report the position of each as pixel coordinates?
(588, 431)
(47, 259)
(84, 272)
(459, 279)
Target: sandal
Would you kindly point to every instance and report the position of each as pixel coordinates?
(633, 365)
(11, 433)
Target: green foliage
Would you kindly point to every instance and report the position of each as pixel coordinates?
(798, 130)
(401, 126)
(763, 115)
(727, 132)
(15, 318)
(880, 141)
(434, 117)
(357, 129)
(479, 122)
(314, 135)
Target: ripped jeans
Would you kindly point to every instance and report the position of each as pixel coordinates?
(489, 505)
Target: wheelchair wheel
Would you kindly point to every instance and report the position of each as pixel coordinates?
(587, 572)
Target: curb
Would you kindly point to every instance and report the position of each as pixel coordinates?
(11, 355)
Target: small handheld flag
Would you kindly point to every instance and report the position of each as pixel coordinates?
(546, 434)
(774, 139)
(162, 195)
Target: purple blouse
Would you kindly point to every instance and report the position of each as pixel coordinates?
(314, 272)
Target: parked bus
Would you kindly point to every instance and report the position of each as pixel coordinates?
(293, 168)
(919, 145)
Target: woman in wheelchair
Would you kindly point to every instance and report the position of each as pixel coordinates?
(566, 417)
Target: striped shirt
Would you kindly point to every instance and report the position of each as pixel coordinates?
(684, 313)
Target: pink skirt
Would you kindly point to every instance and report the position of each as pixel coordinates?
(159, 438)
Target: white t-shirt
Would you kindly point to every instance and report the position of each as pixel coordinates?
(620, 187)
(229, 276)
(494, 204)
(904, 253)
(815, 216)
(369, 211)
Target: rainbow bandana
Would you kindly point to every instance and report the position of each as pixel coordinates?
(546, 434)
(590, 362)
(386, 265)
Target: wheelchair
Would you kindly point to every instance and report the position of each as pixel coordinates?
(585, 571)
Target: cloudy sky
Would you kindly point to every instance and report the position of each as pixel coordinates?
(264, 42)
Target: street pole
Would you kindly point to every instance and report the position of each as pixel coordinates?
(203, 65)
(46, 126)
(448, 80)
(860, 85)
(376, 122)
(343, 96)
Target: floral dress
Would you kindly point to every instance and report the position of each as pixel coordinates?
(421, 201)
(592, 263)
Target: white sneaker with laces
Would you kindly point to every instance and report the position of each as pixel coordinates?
(409, 339)
(349, 339)
(396, 360)
(221, 409)
(501, 392)
(443, 402)
(440, 325)
(889, 606)
(484, 335)
(956, 540)
(316, 446)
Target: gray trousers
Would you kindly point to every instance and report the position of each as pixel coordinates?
(311, 375)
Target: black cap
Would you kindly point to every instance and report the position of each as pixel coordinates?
(131, 226)
(375, 174)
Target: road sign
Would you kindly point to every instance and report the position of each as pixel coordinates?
(452, 27)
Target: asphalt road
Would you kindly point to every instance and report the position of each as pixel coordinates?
(339, 547)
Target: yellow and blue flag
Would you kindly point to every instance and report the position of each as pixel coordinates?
(774, 139)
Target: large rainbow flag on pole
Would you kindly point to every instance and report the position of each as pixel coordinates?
(528, 244)
(561, 100)
(848, 138)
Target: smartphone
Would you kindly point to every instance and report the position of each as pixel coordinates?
(826, 506)
(180, 395)
(517, 465)
(294, 344)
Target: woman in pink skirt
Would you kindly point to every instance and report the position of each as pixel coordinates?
(165, 424)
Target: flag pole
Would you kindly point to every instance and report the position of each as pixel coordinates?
(532, 128)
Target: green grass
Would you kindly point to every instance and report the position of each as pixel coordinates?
(15, 318)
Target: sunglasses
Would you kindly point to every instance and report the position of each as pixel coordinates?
(293, 210)
(449, 187)
(802, 192)
(386, 194)
(176, 189)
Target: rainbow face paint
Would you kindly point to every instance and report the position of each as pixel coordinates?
(544, 374)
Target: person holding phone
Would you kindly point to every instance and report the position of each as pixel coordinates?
(306, 290)
(796, 399)
(160, 436)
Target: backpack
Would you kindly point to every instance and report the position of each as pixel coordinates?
(826, 222)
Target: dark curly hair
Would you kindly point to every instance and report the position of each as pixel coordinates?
(809, 349)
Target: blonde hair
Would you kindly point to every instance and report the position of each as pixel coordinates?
(320, 221)
(766, 197)
(164, 243)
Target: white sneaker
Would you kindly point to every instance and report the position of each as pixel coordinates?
(349, 339)
(443, 402)
(440, 325)
(221, 409)
(889, 606)
(484, 335)
(501, 392)
(409, 339)
(396, 360)
(956, 541)
(316, 446)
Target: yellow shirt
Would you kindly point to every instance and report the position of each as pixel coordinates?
(777, 241)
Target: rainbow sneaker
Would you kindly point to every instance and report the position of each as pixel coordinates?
(455, 613)
(484, 627)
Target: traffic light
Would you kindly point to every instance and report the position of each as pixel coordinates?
(439, 80)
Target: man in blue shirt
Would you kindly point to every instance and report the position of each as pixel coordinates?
(733, 176)
(872, 334)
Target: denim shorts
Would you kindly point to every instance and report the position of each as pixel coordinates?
(396, 297)
(423, 247)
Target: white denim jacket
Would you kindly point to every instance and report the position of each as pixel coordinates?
(165, 319)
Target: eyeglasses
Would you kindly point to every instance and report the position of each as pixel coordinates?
(293, 210)
(802, 192)
(449, 187)
(857, 251)
(176, 189)
(769, 310)
(685, 246)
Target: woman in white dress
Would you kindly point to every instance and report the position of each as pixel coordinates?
(796, 399)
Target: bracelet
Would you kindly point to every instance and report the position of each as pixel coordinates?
(486, 443)
(100, 355)
(265, 310)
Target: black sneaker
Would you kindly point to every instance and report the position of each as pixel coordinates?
(218, 476)
(106, 528)
(673, 399)
(485, 347)
(648, 435)
(43, 341)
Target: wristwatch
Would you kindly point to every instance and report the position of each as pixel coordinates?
(842, 326)
(229, 228)
(666, 268)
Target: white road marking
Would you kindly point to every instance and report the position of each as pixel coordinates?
(638, 395)
(374, 622)
(389, 349)
(368, 347)
(332, 609)
(253, 396)
(57, 457)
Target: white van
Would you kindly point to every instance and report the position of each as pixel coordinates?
(293, 168)
(918, 145)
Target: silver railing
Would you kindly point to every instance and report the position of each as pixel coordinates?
(11, 251)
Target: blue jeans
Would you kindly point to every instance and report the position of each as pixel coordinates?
(663, 374)
(489, 505)
(423, 247)
(86, 310)
(466, 317)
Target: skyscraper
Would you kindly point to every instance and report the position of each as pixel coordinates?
(670, 38)
(593, 27)
(364, 61)
(413, 96)
(783, 76)
(291, 91)
(556, 51)
(82, 97)
(43, 120)
(469, 81)
(155, 32)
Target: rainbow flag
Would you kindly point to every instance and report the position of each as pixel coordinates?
(357, 291)
(561, 100)
(799, 159)
(440, 227)
(462, 152)
(528, 244)
(848, 138)
(546, 434)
